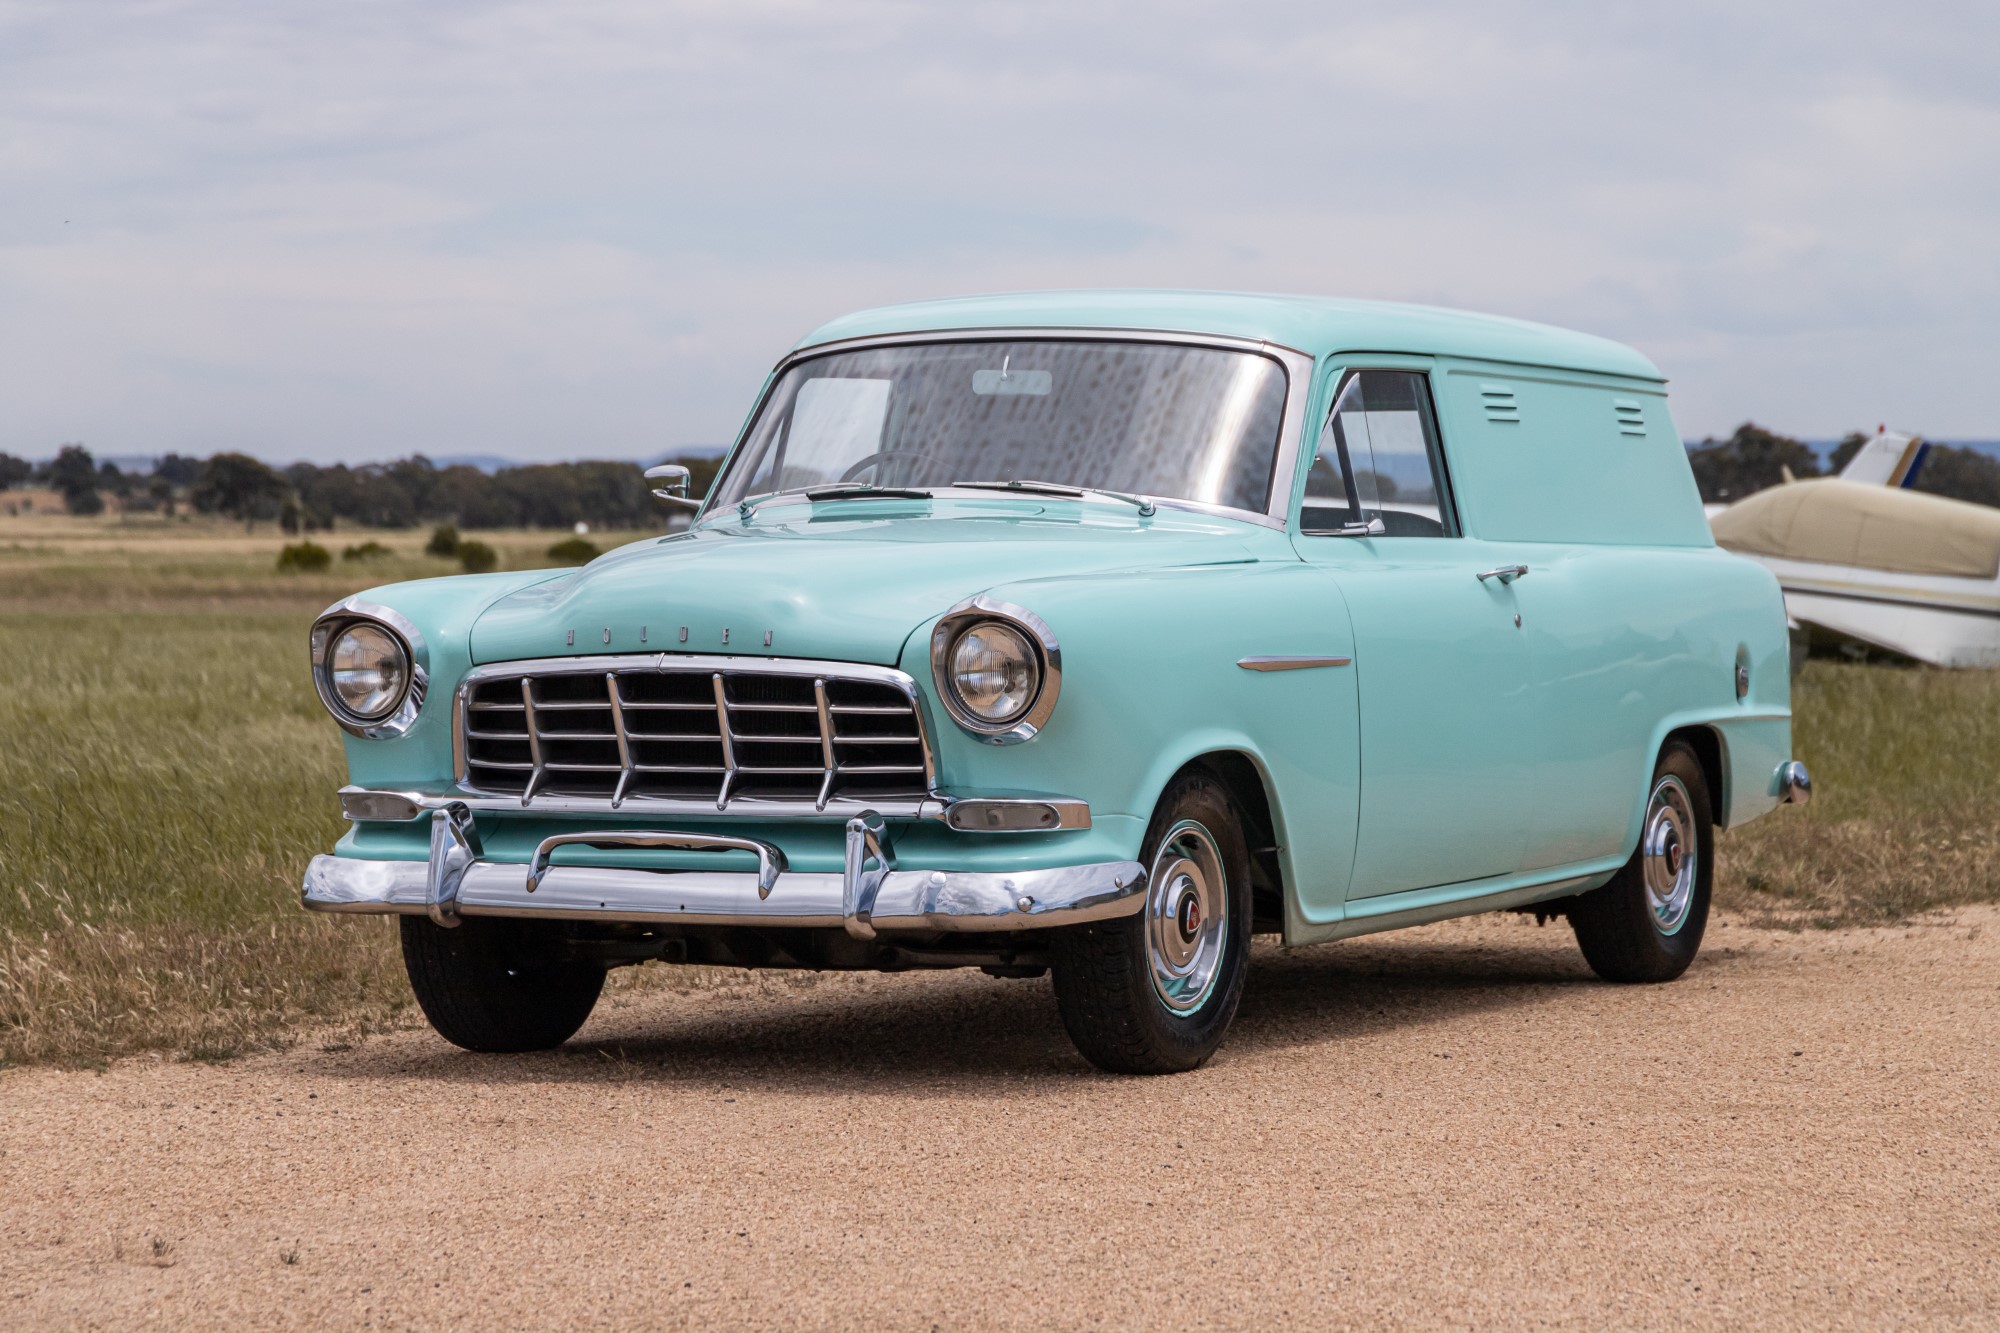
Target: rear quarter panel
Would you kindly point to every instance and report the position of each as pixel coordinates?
(1628, 645)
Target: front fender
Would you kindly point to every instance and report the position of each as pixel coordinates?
(443, 610)
(1151, 682)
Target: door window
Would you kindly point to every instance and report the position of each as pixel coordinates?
(1378, 470)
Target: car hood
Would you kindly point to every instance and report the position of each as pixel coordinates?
(845, 583)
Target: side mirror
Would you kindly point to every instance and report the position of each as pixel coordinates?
(670, 485)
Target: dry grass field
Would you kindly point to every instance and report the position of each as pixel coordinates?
(167, 772)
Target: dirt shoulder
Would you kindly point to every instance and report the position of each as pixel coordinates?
(1451, 1125)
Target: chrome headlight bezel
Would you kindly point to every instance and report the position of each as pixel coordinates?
(327, 630)
(1040, 639)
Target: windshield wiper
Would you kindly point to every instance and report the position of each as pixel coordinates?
(845, 489)
(839, 491)
(1146, 507)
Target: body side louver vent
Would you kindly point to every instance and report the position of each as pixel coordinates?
(1498, 400)
(1631, 416)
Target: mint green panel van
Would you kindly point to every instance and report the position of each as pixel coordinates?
(1085, 634)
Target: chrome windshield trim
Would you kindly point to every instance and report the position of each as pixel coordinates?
(1090, 495)
(1298, 366)
(989, 332)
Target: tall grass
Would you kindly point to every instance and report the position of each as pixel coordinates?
(1906, 810)
(166, 772)
(163, 780)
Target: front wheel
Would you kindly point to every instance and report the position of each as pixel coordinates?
(498, 985)
(1646, 924)
(1153, 993)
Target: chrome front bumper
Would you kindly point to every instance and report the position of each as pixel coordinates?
(871, 894)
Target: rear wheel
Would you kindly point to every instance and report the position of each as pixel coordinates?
(498, 985)
(1153, 993)
(1647, 923)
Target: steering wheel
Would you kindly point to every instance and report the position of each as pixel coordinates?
(879, 457)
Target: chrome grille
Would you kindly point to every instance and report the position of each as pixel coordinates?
(684, 729)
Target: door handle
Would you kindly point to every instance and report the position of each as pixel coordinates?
(1506, 573)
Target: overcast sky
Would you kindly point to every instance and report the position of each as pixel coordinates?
(355, 230)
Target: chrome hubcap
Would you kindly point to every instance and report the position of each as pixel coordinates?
(1668, 860)
(1187, 917)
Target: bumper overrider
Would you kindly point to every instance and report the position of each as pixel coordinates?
(871, 893)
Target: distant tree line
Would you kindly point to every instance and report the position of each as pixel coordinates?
(412, 491)
(1753, 458)
(308, 498)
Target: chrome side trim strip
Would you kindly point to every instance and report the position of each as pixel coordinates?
(906, 899)
(1290, 663)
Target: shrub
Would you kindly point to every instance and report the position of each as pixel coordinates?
(366, 551)
(574, 551)
(478, 557)
(444, 541)
(304, 558)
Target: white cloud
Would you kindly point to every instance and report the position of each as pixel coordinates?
(358, 230)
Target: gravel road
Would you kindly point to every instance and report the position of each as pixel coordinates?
(1454, 1125)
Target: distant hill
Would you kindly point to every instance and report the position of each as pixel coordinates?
(140, 465)
(491, 463)
(487, 463)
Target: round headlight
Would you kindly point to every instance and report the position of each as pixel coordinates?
(994, 673)
(369, 671)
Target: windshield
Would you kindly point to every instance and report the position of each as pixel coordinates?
(1152, 419)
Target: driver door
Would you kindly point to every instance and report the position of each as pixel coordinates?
(1441, 664)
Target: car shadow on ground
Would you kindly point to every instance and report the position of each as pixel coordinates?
(950, 1033)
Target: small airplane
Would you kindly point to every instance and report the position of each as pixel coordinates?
(1866, 563)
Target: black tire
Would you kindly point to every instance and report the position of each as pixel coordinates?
(494, 984)
(1622, 936)
(1104, 973)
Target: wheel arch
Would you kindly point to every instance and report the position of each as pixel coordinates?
(1249, 786)
(1711, 751)
(1707, 736)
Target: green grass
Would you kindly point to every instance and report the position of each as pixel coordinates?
(167, 772)
(165, 778)
(1905, 815)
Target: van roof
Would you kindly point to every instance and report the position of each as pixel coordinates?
(1319, 325)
